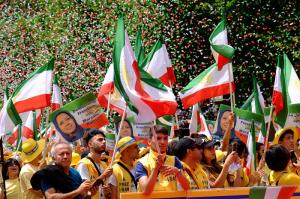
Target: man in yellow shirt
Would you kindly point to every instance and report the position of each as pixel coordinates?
(277, 159)
(123, 179)
(189, 152)
(92, 167)
(31, 155)
(159, 171)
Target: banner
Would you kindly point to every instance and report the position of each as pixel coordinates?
(110, 139)
(293, 117)
(242, 123)
(72, 119)
(141, 132)
(238, 193)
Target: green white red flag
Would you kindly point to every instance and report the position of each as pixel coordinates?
(138, 48)
(56, 101)
(149, 99)
(168, 122)
(210, 83)
(251, 146)
(34, 92)
(158, 64)
(222, 52)
(198, 123)
(279, 98)
(269, 192)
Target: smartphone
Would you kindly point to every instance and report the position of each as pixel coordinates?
(234, 147)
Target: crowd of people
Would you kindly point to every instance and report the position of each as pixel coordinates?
(59, 170)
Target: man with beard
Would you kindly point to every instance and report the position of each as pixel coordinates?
(123, 179)
(92, 167)
(159, 171)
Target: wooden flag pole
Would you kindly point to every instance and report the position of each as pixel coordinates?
(108, 104)
(268, 130)
(118, 137)
(230, 89)
(176, 116)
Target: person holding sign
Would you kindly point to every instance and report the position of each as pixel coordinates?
(123, 179)
(67, 126)
(92, 167)
(189, 152)
(158, 171)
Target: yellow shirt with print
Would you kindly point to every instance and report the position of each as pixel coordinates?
(163, 183)
(198, 178)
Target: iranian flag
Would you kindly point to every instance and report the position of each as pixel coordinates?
(279, 98)
(222, 52)
(9, 118)
(149, 99)
(292, 82)
(210, 83)
(270, 192)
(11, 137)
(56, 101)
(198, 124)
(35, 91)
(168, 122)
(158, 64)
(28, 127)
(138, 48)
(251, 146)
(108, 90)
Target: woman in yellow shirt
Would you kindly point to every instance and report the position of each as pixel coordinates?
(277, 159)
(11, 172)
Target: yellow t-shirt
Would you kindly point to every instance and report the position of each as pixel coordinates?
(25, 175)
(279, 178)
(198, 178)
(13, 190)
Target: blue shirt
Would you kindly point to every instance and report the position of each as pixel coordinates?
(141, 171)
(75, 177)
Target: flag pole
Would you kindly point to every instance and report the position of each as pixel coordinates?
(176, 116)
(108, 104)
(2, 181)
(268, 130)
(230, 89)
(118, 137)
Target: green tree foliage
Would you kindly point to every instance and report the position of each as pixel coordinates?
(80, 35)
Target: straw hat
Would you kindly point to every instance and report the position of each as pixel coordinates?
(279, 133)
(125, 142)
(31, 149)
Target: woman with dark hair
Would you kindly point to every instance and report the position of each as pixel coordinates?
(217, 173)
(125, 130)
(10, 172)
(67, 126)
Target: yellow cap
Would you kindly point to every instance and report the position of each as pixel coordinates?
(125, 142)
